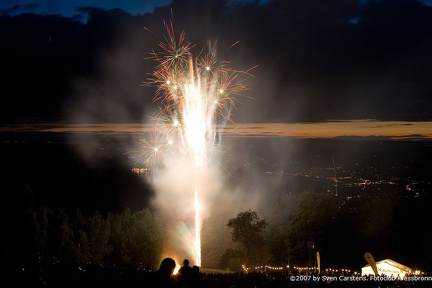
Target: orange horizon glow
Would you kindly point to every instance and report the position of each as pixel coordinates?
(395, 130)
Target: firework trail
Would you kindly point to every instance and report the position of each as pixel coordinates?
(195, 96)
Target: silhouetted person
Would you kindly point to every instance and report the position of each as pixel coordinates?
(199, 280)
(163, 277)
(196, 274)
(184, 274)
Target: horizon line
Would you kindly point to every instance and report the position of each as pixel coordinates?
(365, 128)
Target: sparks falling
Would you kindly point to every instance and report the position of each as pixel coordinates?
(196, 96)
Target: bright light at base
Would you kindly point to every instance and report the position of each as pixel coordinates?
(176, 269)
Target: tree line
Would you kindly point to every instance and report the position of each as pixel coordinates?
(129, 238)
(342, 229)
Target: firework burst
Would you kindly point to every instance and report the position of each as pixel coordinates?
(195, 97)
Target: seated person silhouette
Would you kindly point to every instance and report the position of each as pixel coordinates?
(196, 274)
(163, 276)
(184, 274)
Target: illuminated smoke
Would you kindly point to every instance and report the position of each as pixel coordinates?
(195, 95)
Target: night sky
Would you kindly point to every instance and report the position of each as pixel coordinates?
(71, 8)
(315, 60)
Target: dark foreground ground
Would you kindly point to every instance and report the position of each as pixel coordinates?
(58, 274)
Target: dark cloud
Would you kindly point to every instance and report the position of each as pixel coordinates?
(316, 59)
(19, 9)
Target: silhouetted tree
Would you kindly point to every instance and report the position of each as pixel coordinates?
(136, 238)
(248, 231)
(99, 232)
(231, 259)
(59, 232)
(278, 217)
(40, 229)
(309, 222)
